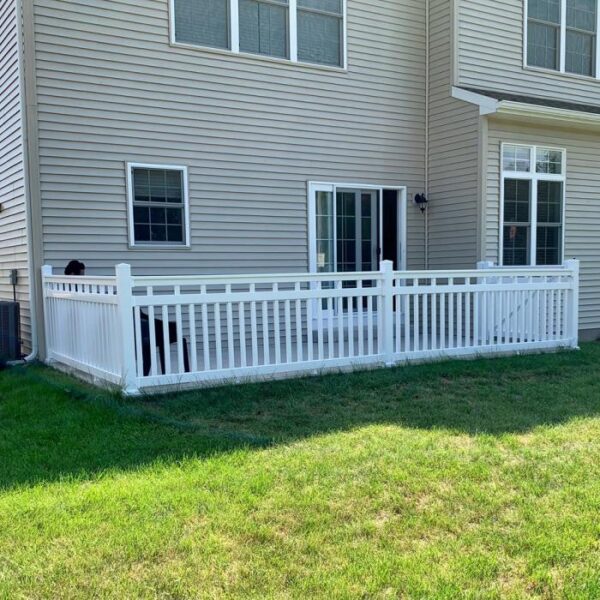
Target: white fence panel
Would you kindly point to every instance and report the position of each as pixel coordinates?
(82, 329)
(485, 311)
(215, 328)
(150, 332)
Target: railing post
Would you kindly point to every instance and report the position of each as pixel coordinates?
(126, 334)
(387, 270)
(49, 342)
(573, 267)
(484, 318)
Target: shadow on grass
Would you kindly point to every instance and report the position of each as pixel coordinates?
(52, 427)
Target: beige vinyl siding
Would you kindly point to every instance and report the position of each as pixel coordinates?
(13, 216)
(251, 132)
(453, 156)
(490, 53)
(582, 214)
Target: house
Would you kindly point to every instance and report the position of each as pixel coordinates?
(222, 136)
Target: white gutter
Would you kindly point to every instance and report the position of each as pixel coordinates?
(548, 113)
(489, 106)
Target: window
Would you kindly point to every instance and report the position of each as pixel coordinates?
(533, 183)
(263, 27)
(305, 31)
(158, 205)
(320, 31)
(562, 35)
(202, 22)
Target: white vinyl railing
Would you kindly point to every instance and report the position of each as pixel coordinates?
(82, 324)
(147, 332)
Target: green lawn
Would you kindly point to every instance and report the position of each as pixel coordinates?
(462, 479)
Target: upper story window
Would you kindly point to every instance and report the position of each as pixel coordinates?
(562, 35)
(306, 31)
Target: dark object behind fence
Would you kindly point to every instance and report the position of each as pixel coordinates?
(160, 343)
(10, 344)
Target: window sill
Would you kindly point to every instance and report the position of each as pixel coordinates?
(259, 58)
(169, 247)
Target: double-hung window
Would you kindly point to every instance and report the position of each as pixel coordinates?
(533, 184)
(263, 27)
(158, 205)
(305, 31)
(562, 35)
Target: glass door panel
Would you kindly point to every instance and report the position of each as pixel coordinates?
(357, 226)
(325, 232)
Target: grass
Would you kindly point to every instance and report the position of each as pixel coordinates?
(463, 479)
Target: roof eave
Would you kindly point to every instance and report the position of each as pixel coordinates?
(487, 105)
(510, 108)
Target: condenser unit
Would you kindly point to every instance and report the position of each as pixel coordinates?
(10, 344)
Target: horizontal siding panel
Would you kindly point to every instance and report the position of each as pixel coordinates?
(13, 225)
(453, 157)
(252, 133)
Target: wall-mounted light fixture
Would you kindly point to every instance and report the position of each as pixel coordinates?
(421, 201)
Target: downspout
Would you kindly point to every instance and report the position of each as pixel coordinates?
(427, 52)
(27, 185)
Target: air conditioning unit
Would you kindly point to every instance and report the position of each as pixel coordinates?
(10, 344)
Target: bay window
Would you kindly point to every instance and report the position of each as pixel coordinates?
(302, 31)
(562, 36)
(533, 188)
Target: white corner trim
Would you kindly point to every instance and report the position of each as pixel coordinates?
(487, 105)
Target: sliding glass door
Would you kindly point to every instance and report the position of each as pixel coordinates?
(347, 230)
(352, 228)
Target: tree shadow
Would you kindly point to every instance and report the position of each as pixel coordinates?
(52, 427)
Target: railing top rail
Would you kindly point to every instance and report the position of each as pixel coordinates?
(183, 280)
(85, 280)
(168, 280)
(493, 272)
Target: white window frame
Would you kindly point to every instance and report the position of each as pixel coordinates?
(535, 178)
(186, 207)
(563, 43)
(320, 186)
(292, 38)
